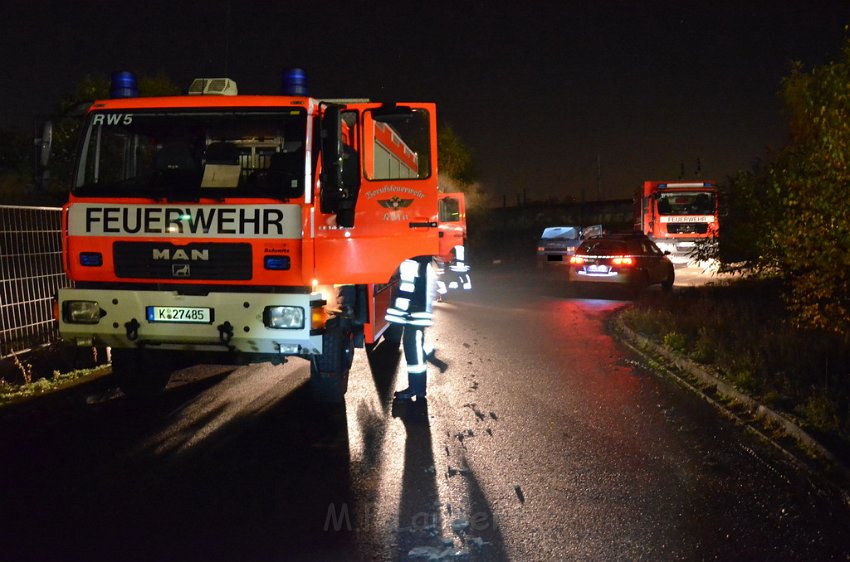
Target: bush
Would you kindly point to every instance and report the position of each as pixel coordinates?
(821, 412)
(743, 331)
(674, 341)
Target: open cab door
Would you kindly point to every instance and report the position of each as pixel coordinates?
(378, 190)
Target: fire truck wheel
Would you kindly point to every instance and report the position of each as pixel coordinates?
(140, 373)
(329, 371)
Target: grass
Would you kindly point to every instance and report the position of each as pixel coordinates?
(12, 393)
(46, 370)
(742, 330)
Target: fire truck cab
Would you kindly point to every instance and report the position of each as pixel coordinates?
(243, 227)
(677, 215)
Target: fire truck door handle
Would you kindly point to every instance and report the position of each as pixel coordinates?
(428, 224)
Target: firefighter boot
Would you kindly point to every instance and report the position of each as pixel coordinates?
(417, 388)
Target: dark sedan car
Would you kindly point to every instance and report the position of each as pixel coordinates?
(631, 260)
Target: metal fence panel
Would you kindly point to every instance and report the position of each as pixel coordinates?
(30, 276)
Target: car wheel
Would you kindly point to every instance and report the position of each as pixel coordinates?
(640, 284)
(667, 284)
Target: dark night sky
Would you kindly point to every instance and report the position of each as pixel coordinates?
(538, 90)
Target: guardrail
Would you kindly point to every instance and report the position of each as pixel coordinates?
(30, 276)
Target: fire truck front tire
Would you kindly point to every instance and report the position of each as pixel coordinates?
(141, 373)
(329, 371)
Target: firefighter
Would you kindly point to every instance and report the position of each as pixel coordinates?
(412, 309)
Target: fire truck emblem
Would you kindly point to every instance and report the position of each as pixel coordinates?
(395, 205)
(180, 270)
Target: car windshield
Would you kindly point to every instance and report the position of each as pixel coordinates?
(560, 233)
(188, 154)
(686, 203)
(604, 248)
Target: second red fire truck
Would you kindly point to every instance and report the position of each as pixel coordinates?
(677, 215)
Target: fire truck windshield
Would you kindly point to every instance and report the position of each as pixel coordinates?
(185, 154)
(686, 203)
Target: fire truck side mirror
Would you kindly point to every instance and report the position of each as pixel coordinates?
(331, 138)
(44, 144)
(340, 169)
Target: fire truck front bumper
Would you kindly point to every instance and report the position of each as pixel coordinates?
(254, 323)
(681, 249)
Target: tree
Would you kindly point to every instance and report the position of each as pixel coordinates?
(455, 159)
(796, 210)
(15, 166)
(457, 169)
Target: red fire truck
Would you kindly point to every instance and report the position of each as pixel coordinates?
(245, 228)
(676, 215)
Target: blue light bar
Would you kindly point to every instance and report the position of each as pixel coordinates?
(91, 259)
(294, 82)
(276, 263)
(124, 85)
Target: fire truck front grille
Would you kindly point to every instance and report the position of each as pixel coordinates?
(687, 227)
(163, 260)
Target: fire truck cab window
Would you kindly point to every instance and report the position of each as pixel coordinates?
(397, 146)
(236, 153)
(686, 203)
(449, 210)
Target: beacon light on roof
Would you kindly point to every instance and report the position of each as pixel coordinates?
(213, 87)
(294, 82)
(123, 84)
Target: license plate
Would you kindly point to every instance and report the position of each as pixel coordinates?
(188, 314)
(597, 269)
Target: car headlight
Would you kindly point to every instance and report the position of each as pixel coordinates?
(284, 317)
(82, 312)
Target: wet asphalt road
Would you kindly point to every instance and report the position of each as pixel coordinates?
(542, 440)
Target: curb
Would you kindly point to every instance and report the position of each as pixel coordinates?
(761, 413)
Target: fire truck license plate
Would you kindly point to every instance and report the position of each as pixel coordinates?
(179, 314)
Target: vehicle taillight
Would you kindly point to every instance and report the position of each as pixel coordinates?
(576, 260)
(622, 260)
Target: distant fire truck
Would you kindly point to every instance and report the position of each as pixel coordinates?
(243, 228)
(677, 215)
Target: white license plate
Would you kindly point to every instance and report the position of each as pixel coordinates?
(189, 314)
(597, 269)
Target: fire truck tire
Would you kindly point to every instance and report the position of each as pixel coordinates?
(141, 373)
(329, 371)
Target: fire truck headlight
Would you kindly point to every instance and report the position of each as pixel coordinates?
(82, 312)
(284, 317)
